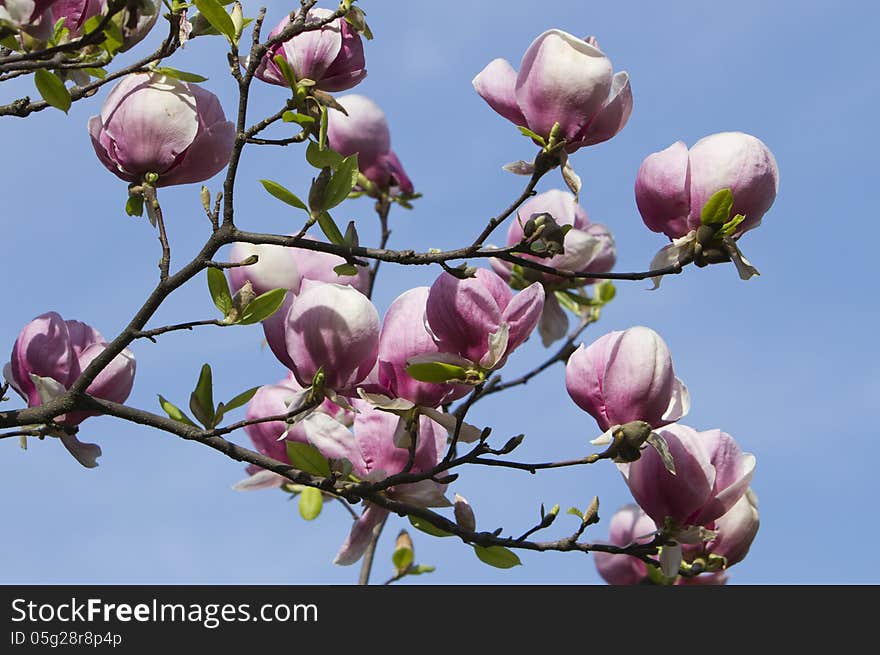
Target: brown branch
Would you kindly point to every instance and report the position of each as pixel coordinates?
(383, 208)
(23, 107)
(152, 334)
(94, 37)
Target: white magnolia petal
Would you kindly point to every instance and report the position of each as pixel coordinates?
(86, 454)
(381, 401)
(260, 480)
(671, 254)
(572, 179)
(48, 388)
(670, 560)
(520, 167)
(402, 437)
(424, 493)
(468, 433)
(679, 403)
(497, 347)
(606, 437)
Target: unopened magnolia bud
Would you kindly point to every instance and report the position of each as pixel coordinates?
(464, 514)
(706, 234)
(635, 433)
(205, 197)
(404, 541)
(237, 18)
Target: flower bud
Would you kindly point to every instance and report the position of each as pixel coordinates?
(711, 475)
(464, 514)
(562, 80)
(587, 248)
(479, 318)
(276, 400)
(736, 530)
(626, 376)
(364, 131)
(332, 56)
(27, 14)
(275, 268)
(334, 328)
(673, 185)
(154, 124)
(404, 336)
(47, 358)
(310, 265)
(629, 525)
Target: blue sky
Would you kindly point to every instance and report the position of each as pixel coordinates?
(787, 363)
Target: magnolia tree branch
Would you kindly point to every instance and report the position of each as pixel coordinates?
(96, 36)
(23, 107)
(356, 492)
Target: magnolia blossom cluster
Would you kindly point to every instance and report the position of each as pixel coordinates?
(39, 17)
(686, 486)
(377, 383)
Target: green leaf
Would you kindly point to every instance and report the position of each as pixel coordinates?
(283, 194)
(134, 206)
(436, 372)
(345, 269)
(574, 511)
(341, 183)
(605, 292)
(402, 558)
(418, 569)
(240, 399)
(174, 412)
(284, 67)
(322, 131)
(100, 73)
(310, 503)
(183, 76)
(262, 307)
(532, 135)
(717, 208)
(329, 228)
(428, 528)
(52, 89)
(322, 158)
(497, 556)
(201, 401)
(730, 226)
(214, 12)
(219, 288)
(307, 458)
(300, 119)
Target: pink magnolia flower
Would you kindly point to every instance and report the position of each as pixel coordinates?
(629, 525)
(49, 355)
(673, 185)
(332, 56)
(711, 475)
(278, 267)
(588, 248)
(373, 456)
(154, 124)
(404, 336)
(278, 400)
(334, 328)
(736, 530)
(77, 12)
(364, 131)
(562, 79)
(626, 376)
(27, 13)
(479, 318)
